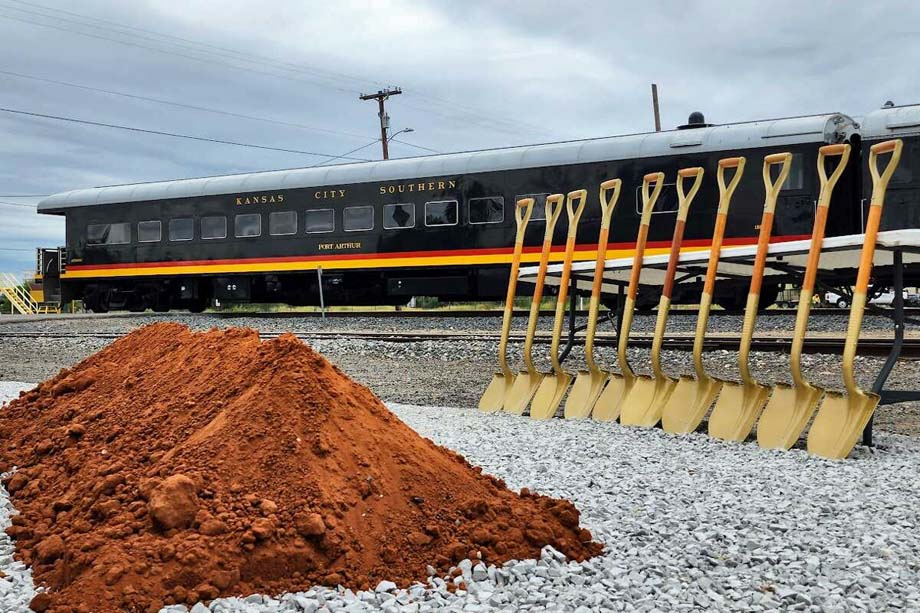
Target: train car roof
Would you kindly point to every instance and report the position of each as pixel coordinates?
(891, 122)
(827, 128)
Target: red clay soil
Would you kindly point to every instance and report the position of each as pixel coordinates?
(175, 466)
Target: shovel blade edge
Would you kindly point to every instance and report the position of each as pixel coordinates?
(549, 395)
(583, 394)
(521, 393)
(493, 399)
(839, 423)
(787, 413)
(688, 404)
(610, 401)
(736, 410)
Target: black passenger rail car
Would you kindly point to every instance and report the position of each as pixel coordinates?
(442, 225)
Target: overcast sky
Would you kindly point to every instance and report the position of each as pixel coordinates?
(474, 75)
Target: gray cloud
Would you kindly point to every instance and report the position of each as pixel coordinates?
(475, 74)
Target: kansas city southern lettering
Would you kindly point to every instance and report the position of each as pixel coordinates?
(259, 199)
(422, 186)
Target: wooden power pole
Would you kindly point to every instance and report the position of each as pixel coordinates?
(380, 96)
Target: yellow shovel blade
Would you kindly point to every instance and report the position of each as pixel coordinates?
(736, 410)
(840, 421)
(549, 395)
(688, 404)
(642, 406)
(493, 399)
(587, 387)
(610, 401)
(786, 415)
(522, 390)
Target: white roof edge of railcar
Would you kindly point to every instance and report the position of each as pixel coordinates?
(891, 121)
(827, 127)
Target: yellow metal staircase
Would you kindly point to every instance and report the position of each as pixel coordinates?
(12, 288)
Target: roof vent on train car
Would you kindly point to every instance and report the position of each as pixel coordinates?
(696, 120)
(888, 104)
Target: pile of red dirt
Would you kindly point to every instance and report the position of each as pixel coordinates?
(175, 467)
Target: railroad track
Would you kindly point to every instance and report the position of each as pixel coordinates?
(678, 342)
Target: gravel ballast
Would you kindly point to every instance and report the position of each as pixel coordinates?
(688, 523)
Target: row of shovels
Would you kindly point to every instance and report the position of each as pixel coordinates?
(681, 404)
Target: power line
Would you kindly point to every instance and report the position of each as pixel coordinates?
(16, 249)
(468, 112)
(182, 105)
(22, 204)
(402, 142)
(343, 156)
(329, 74)
(177, 135)
(23, 195)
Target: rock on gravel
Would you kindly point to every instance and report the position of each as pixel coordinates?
(689, 523)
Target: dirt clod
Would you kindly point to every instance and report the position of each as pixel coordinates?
(234, 466)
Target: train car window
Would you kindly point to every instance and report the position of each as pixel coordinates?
(248, 225)
(149, 231)
(487, 210)
(357, 218)
(108, 234)
(181, 229)
(667, 201)
(441, 213)
(213, 227)
(281, 223)
(397, 216)
(320, 220)
(539, 205)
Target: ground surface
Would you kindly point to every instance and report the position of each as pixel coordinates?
(689, 523)
(456, 373)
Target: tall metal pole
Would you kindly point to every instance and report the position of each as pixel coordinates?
(380, 96)
(655, 107)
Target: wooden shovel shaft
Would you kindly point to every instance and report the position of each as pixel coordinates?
(523, 210)
(607, 208)
(574, 214)
(814, 253)
(772, 189)
(879, 187)
(712, 268)
(648, 204)
(553, 208)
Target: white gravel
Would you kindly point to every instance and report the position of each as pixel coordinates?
(689, 523)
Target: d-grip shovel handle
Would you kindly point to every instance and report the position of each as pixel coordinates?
(523, 209)
(725, 197)
(608, 203)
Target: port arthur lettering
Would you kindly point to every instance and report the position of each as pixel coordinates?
(260, 199)
(424, 186)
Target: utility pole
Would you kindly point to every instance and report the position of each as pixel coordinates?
(655, 107)
(380, 96)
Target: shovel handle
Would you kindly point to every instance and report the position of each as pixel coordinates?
(650, 195)
(726, 192)
(880, 180)
(684, 199)
(774, 187)
(575, 210)
(841, 150)
(552, 210)
(608, 203)
(523, 209)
